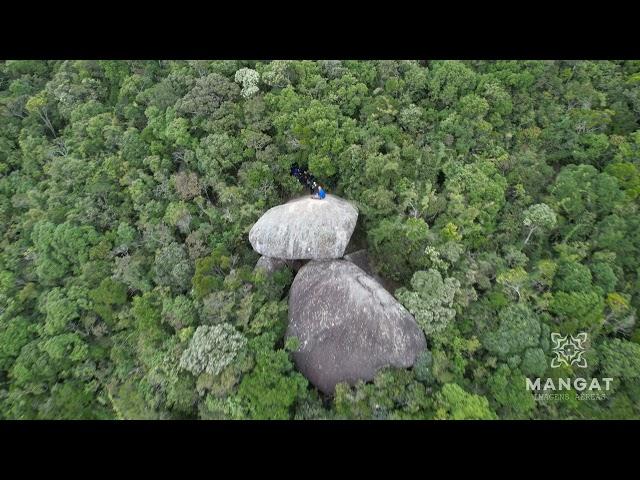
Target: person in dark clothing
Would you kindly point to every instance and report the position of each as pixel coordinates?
(308, 180)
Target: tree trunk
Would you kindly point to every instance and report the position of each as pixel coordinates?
(47, 122)
(529, 236)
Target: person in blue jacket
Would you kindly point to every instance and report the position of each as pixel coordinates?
(308, 180)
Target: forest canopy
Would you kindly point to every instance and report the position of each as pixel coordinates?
(500, 196)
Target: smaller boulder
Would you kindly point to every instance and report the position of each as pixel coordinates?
(305, 228)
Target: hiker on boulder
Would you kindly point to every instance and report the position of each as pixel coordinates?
(308, 180)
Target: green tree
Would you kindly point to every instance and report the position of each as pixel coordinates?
(430, 300)
(508, 390)
(453, 403)
(518, 329)
(270, 390)
(212, 348)
(538, 217)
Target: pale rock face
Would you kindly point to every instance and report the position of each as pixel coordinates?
(305, 228)
(348, 325)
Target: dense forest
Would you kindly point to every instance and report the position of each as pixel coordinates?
(501, 196)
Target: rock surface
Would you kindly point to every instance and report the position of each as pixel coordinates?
(305, 228)
(348, 326)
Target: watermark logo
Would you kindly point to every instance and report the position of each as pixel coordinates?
(569, 350)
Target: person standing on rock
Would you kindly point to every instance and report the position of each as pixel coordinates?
(308, 180)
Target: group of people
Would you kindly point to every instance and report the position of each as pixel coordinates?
(308, 180)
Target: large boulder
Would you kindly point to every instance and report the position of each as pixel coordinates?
(305, 228)
(348, 326)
